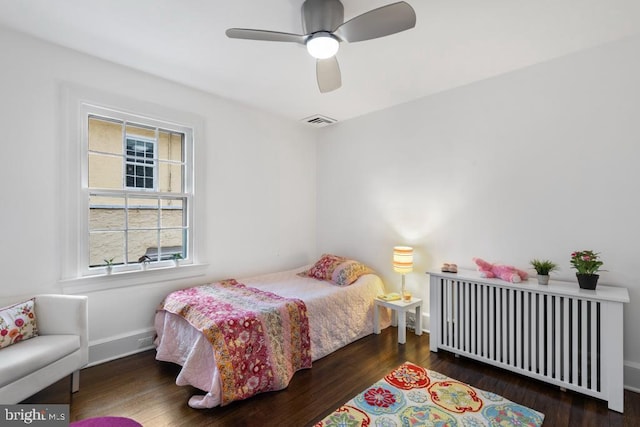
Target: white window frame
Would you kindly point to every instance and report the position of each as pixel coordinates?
(78, 104)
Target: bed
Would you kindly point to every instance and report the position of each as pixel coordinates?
(337, 315)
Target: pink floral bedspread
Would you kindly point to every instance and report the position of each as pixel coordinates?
(259, 339)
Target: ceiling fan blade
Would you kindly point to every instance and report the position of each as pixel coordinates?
(328, 74)
(264, 35)
(380, 22)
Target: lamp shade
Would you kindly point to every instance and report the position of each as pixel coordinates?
(403, 259)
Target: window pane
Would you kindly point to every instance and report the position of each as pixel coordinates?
(106, 245)
(172, 213)
(105, 136)
(170, 179)
(105, 171)
(172, 241)
(140, 162)
(167, 252)
(140, 130)
(139, 150)
(139, 243)
(106, 213)
(170, 146)
(143, 213)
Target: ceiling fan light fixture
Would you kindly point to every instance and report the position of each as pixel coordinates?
(324, 29)
(322, 45)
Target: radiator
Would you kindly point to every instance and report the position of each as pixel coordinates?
(556, 333)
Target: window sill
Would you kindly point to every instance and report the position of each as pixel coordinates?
(102, 282)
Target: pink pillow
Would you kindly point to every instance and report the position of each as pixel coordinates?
(17, 323)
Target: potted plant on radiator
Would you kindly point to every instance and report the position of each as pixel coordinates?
(543, 268)
(587, 264)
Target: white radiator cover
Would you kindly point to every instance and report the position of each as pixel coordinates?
(556, 333)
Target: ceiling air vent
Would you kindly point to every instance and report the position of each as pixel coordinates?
(319, 121)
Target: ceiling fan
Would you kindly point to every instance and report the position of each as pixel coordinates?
(324, 28)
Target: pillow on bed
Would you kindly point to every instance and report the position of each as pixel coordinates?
(337, 269)
(323, 268)
(17, 323)
(348, 272)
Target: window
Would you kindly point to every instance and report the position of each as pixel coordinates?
(140, 171)
(101, 217)
(138, 197)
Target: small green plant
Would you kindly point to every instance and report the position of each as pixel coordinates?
(176, 257)
(108, 262)
(586, 262)
(544, 267)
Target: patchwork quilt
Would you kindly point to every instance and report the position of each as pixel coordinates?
(259, 339)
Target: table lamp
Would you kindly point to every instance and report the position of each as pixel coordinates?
(403, 264)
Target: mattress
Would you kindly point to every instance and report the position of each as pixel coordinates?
(338, 315)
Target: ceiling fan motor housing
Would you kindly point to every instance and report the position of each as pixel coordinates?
(322, 15)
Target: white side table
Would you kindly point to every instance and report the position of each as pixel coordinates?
(399, 316)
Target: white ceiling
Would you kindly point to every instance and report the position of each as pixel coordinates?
(455, 42)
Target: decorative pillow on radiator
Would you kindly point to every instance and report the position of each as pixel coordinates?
(17, 323)
(337, 269)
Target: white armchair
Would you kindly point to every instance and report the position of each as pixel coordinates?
(60, 349)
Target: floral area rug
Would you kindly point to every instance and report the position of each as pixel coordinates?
(414, 396)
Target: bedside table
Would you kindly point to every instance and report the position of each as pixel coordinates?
(399, 316)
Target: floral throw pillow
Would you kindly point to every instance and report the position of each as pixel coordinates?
(323, 268)
(348, 272)
(17, 323)
(336, 269)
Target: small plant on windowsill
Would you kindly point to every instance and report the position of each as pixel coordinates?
(176, 259)
(109, 265)
(543, 268)
(144, 260)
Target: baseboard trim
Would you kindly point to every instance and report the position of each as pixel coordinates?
(426, 322)
(115, 347)
(632, 376)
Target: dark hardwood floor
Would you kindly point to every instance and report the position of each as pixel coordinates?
(144, 389)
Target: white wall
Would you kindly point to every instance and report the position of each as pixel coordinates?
(535, 163)
(259, 187)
